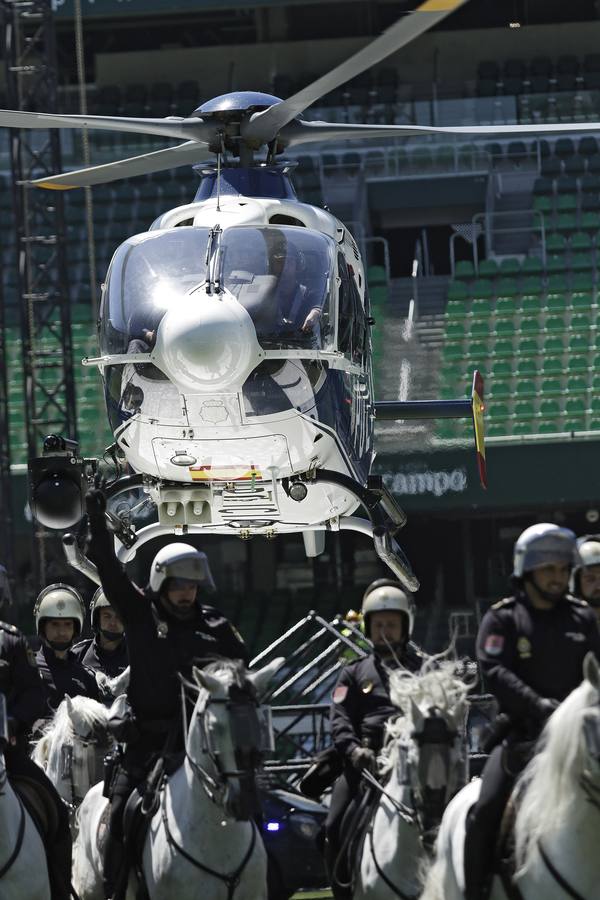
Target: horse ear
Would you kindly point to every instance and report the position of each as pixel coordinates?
(591, 670)
(261, 679)
(206, 681)
(70, 706)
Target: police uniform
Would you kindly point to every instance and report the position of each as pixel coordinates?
(527, 656)
(361, 707)
(22, 686)
(111, 662)
(65, 676)
(160, 647)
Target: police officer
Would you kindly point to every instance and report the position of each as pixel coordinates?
(362, 705)
(530, 648)
(585, 581)
(58, 614)
(21, 685)
(169, 627)
(107, 651)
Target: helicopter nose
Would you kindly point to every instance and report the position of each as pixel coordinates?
(207, 342)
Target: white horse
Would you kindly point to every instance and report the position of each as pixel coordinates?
(23, 869)
(558, 811)
(202, 840)
(423, 764)
(72, 749)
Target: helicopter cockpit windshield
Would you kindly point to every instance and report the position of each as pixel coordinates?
(282, 275)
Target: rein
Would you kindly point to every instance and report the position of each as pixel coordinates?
(560, 880)
(232, 880)
(409, 815)
(393, 887)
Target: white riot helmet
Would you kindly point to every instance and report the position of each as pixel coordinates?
(384, 595)
(541, 545)
(180, 561)
(588, 548)
(59, 601)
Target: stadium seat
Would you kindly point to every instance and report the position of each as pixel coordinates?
(531, 303)
(525, 388)
(580, 322)
(552, 365)
(464, 268)
(530, 326)
(502, 349)
(506, 306)
(555, 302)
(456, 309)
(505, 328)
(575, 406)
(488, 268)
(578, 343)
(554, 323)
(549, 407)
(576, 384)
(480, 309)
(458, 290)
(527, 347)
(548, 427)
(482, 289)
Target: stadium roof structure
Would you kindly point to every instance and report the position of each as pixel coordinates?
(109, 9)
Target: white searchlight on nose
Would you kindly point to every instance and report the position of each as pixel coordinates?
(206, 343)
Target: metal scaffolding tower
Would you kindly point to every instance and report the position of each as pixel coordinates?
(42, 283)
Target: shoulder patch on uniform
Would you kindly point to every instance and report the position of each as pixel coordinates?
(502, 604)
(340, 693)
(494, 644)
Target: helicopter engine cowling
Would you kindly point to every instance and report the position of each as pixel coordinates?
(207, 343)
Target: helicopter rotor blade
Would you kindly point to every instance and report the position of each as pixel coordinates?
(175, 127)
(301, 132)
(263, 126)
(169, 158)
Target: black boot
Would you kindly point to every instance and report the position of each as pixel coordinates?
(115, 869)
(478, 859)
(336, 871)
(59, 869)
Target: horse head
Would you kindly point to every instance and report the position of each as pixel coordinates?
(428, 738)
(226, 741)
(73, 747)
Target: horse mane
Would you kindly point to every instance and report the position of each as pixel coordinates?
(231, 671)
(548, 788)
(441, 683)
(60, 727)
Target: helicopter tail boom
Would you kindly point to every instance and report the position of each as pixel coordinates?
(394, 410)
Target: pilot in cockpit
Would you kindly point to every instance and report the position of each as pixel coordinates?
(300, 304)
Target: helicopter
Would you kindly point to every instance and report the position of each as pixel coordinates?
(234, 335)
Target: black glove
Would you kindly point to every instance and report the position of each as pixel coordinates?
(546, 706)
(363, 758)
(95, 503)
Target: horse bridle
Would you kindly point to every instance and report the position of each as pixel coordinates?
(431, 735)
(210, 785)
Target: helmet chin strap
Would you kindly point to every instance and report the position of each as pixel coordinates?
(59, 645)
(111, 635)
(545, 595)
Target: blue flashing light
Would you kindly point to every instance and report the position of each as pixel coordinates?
(273, 826)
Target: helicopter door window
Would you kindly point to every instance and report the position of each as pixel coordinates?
(282, 276)
(148, 273)
(359, 323)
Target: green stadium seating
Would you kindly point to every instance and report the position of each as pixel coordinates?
(526, 368)
(576, 384)
(482, 289)
(506, 306)
(458, 290)
(502, 349)
(504, 328)
(531, 303)
(582, 300)
(554, 323)
(527, 347)
(532, 265)
(555, 302)
(549, 407)
(554, 344)
(464, 269)
(524, 409)
(575, 406)
(479, 328)
(551, 387)
(578, 343)
(552, 365)
(577, 364)
(548, 427)
(507, 287)
(580, 240)
(480, 309)
(488, 268)
(581, 262)
(525, 388)
(580, 322)
(530, 326)
(456, 309)
(497, 410)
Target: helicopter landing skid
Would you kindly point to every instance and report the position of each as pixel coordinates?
(385, 519)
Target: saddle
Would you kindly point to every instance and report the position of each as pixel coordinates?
(39, 803)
